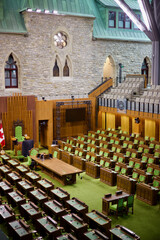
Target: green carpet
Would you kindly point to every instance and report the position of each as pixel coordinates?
(145, 221)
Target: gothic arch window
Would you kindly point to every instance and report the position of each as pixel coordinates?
(56, 69)
(11, 73)
(66, 69)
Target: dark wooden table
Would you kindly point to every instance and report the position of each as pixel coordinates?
(13, 177)
(71, 222)
(15, 198)
(25, 186)
(33, 177)
(46, 225)
(98, 220)
(38, 196)
(30, 211)
(54, 208)
(60, 195)
(77, 206)
(106, 200)
(22, 170)
(5, 187)
(45, 185)
(19, 230)
(59, 170)
(94, 235)
(123, 233)
(126, 184)
(6, 213)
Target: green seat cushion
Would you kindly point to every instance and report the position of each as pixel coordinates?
(131, 163)
(151, 160)
(101, 153)
(156, 172)
(130, 146)
(101, 162)
(105, 154)
(149, 170)
(155, 183)
(69, 149)
(93, 149)
(107, 164)
(123, 170)
(76, 152)
(128, 153)
(133, 155)
(80, 154)
(92, 158)
(55, 154)
(65, 148)
(137, 165)
(81, 145)
(115, 157)
(142, 178)
(87, 156)
(89, 140)
(117, 168)
(144, 159)
(125, 145)
(134, 175)
(120, 159)
(146, 150)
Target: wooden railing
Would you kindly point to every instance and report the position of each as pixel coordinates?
(101, 88)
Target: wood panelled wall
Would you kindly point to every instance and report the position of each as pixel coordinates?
(149, 123)
(46, 110)
(15, 108)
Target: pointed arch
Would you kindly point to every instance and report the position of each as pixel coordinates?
(109, 69)
(67, 67)
(146, 69)
(56, 68)
(11, 72)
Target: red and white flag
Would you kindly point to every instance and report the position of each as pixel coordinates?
(2, 138)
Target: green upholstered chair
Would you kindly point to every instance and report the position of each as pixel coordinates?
(131, 163)
(157, 146)
(101, 163)
(117, 168)
(152, 139)
(18, 134)
(106, 154)
(120, 159)
(93, 141)
(123, 171)
(118, 150)
(146, 150)
(129, 203)
(88, 156)
(65, 148)
(140, 149)
(88, 140)
(124, 145)
(144, 159)
(105, 145)
(156, 183)
(149, 170)
(55, 154)
(130, 146)
(107, 164)
(98, 131)
(135, 175)
(128, 153)
(76, 152)
(127, 138)
(142, 178)
(156, 172)
(117, 208)
(100, 137)
(115, 157)
(133, 155)
(80, 154)
(101, 144)
(101, 152)
(93, 158)
(150, 160)
(122, 137)
(137, 165)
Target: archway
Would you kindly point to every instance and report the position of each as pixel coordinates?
(146, 69)
(109, 69)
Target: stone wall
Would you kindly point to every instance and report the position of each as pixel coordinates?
(35, 56)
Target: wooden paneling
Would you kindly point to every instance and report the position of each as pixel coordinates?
(125, 123)
(17, 110)
(110, 120)
(103, 120)
(133, 127)
(150, 128)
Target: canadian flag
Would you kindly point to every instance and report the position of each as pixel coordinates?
(2, 138)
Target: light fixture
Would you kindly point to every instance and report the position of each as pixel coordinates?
(55, 12)
(29, 10)
(145, 15)
(131, 14)
(38, 10)
(46, 11)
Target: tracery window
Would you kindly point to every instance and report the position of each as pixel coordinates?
(11, 73)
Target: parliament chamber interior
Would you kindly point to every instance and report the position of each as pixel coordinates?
(79, 120)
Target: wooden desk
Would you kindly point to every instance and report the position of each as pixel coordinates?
(108, 176)
(123, 233)
(55, 208)
(97, 220)
(94, 235)
(38, 196)
(67, 157)
(25, 186)
(5, 158)
(15, 198)
(45, 185)
(22, 170)
(147, 193)
(126, 184)
(60, 195)
(13, 163)
(71, 222)
(92, 169)
(13, 177)
(66, 237)
(19, 230)
(63, 172)
(5, 187)
(4, 170)
(6, 214)
(112, 199)
(33, 177)
(46, 225)
(77, 206)
(30, 211)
